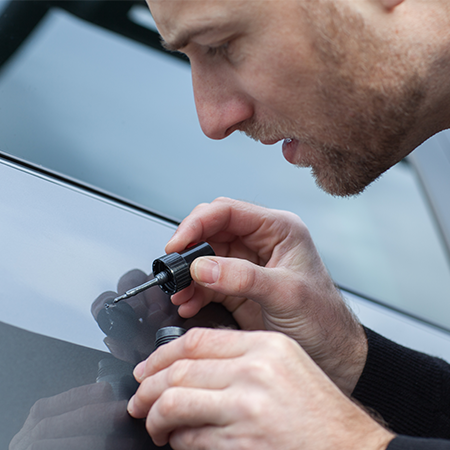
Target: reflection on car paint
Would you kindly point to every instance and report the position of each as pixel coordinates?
(94, 415)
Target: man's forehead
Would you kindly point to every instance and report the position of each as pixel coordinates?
(179, 20)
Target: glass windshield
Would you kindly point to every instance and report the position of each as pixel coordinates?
(113, 113)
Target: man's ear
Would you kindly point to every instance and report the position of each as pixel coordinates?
(391, 4)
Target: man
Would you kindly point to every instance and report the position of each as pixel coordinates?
(351, 86)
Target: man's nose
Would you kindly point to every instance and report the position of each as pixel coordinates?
(221, 106)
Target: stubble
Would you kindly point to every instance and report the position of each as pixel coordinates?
(368, 101)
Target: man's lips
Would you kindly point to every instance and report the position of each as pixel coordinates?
(271, 141)
(289, 148)
(294, 150)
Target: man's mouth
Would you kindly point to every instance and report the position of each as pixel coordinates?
(289, 148)
(270, 141)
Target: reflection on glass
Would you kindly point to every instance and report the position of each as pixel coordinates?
(131, 325)
(94, 416)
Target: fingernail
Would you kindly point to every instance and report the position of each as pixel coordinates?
(173, 238)
(174, 235)
(138, 371)
(130, 405)
(206, 270)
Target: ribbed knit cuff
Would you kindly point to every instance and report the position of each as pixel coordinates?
(409, 443)
(410, 390)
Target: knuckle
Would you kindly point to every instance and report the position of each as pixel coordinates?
(155, 428)
(292, 223)
(155, 361)
(38, 408)
(145, 389)
(178, 372)
(167, 403)
(268, 338)
(190, 438)
(245, 280)
(251, 406)
(277, 344)
(294, 218)
(192, 340)
(222, 199)
(260, 371)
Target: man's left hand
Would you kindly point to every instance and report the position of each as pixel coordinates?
(226, 389)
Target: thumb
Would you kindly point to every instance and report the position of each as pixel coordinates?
(235, 277)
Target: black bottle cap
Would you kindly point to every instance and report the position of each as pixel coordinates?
(178, 266)
(168, 334)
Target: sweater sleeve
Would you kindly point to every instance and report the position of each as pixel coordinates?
(410, 390)
(409, 443)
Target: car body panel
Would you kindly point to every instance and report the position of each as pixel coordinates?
(62, 247)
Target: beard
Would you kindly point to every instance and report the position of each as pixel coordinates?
(367, 103)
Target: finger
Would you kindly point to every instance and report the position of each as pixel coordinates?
(213, 315)
(222, 215)
(192, 301)
(184, 407)
(241, 311)
(187, 438)
(202, 373)
(197, 343)
(184, 295)
(241, 278)
(270, 234)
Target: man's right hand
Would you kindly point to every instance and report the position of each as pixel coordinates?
(269, 274)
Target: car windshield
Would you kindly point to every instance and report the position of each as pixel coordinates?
(115, 114)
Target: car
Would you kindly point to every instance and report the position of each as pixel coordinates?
(101, 156)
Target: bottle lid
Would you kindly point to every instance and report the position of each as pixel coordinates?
(168, 334)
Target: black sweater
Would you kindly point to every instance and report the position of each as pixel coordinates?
(410, 390)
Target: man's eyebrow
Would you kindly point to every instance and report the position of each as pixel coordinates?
(184, 37)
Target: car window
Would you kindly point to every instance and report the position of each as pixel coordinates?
(101, 108)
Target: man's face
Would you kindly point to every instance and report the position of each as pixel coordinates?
(308, 72)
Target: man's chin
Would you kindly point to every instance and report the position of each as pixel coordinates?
(328, 179)
(337, 185)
